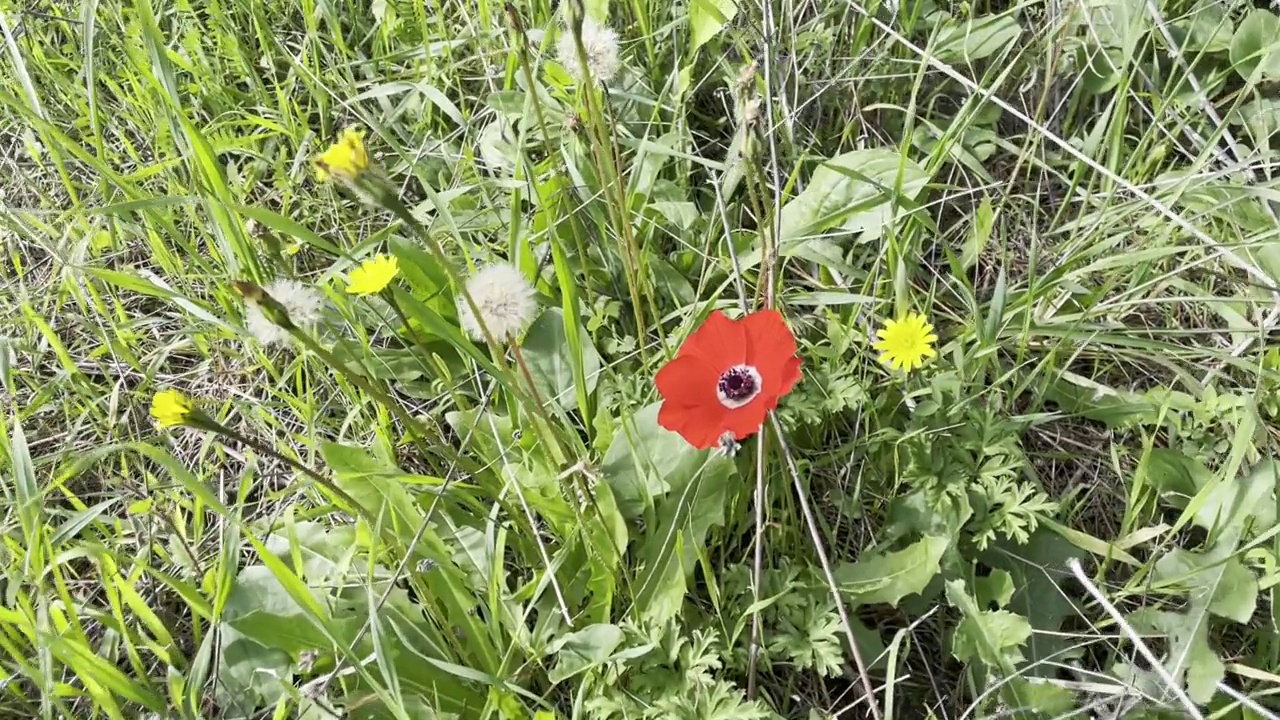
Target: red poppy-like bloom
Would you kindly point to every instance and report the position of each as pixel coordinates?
(727, 377)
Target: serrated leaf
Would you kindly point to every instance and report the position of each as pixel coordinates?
(996, 588)
(888, 577)
(993, 637)
(1036, 568)
(1231, 502)
(1190, 658)
(1220, 584)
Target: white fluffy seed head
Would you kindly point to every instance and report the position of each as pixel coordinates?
(303, 304)
(601, 44)
(505, 301)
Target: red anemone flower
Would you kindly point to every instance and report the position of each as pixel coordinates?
(727, 377)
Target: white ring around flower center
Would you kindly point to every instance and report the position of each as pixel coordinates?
(744, 372)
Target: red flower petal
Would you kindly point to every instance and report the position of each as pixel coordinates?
(688, 381)
(719, 341)
(700, 426)
(771, 348)
(746, 420)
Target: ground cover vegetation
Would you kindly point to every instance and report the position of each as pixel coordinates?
(639, 359)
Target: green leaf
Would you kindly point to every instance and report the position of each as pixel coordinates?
(551, 362)
(262, 610)
(1255, 47)
(1045, 698)
(993, 637)
(996, 588)
(845, 192)
(1214, 581)
(1036, 568)
(1115, 28)
(888, 577)
(640, 458)
(1177, 477)
(1206, 27)
(984, 221)
(975, 38)
(582, 650)
(1231, 502)
(707, 17)
(250, 675)
(669, 551)
(1191, 660)
(1261, 117)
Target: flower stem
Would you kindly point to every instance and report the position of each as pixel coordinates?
(227, 433)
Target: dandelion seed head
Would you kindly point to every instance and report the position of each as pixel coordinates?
(505, 301)
(302, 302)
(601, 44)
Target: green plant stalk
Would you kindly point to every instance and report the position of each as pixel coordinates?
(608, 173)
(385, 197)
(227, 433)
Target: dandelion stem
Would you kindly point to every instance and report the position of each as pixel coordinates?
(412, 425)
(227, 433)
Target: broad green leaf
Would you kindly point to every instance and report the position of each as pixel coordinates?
(1114, 29)
(1177, 477)
(1206, 27)
(580, 651)
(1261, 117)
(1048, 699)
(250, 675)
(640, 458)
(975, 38)
(262, 610)
(1229, 503)
(1190, 658)
(888, 577)
(845, 190)
(1213, 580)
(921, 513)
(996, 588)
(984, 219)
(1036, 569)
(707, 17)
(669, 550)
(550, 360)
(1255, 47)
(994, 637)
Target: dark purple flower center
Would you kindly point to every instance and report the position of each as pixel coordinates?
(737, 384)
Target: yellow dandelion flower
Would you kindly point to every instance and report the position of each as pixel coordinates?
(345, 159)
(171, 407)
(904, 344)
(373, 275)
